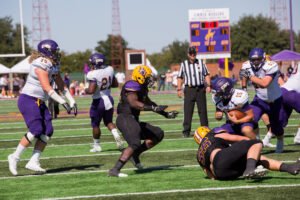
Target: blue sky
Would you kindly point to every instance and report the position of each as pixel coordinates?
(78, 25)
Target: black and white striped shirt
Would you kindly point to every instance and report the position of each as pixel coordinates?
(193, 73)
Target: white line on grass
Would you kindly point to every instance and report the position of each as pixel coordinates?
(178, 190)
(109, 154)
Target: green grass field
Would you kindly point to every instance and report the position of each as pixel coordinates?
(171, 170)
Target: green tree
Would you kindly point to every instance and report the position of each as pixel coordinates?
(259, 31)
(75, 61)
(10, 42)
(173, 53)
(104, 47)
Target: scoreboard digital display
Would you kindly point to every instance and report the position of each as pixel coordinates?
(210, 32)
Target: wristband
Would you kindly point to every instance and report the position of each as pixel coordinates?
(56, 97)
(68, 95)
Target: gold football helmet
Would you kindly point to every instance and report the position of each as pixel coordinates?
(142, 74)
(200, 133)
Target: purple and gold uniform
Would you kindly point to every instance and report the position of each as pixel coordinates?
(128, 117)
(230, 162)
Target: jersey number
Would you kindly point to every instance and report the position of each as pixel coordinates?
(106, 83)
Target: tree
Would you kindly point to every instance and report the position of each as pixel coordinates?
(75, 61)
(173, 53)
(257, 31)
(104, 47)
(10, 42)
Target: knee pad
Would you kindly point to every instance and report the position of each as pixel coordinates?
(30, 137)
(44, 138)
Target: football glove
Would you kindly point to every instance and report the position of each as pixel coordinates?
(171, 115)
(67, 107)
(247, 73)
(75, 109)
(159, 108)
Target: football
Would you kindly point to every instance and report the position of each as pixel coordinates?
(239, 114)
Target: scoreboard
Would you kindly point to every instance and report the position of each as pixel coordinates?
(210, 32)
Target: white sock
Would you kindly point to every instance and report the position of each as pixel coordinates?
(115, 133)
(96, 141)
(20, 149)
(36, 154)
(267, 138)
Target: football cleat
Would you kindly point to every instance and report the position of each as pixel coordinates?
(268, 144)
(135, 160)
(35, 166)
(257, 173)
(96, 148)
(116, 173)
(12, 163)
(296, 140)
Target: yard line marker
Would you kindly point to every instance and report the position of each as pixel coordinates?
(178, 190)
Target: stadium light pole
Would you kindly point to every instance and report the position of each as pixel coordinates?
(291, 28)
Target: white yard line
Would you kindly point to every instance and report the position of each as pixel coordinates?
(176, 191)
(109, 154)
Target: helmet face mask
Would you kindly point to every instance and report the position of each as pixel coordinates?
(223, 88)
(97, 61)
(143, 75)
(257, 58)
(49, 49)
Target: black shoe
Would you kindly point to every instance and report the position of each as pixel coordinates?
(136, 161)
(116, 173)
(185, 135)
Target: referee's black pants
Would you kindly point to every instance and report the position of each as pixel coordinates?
(192, 95)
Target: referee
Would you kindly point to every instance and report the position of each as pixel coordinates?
(195, 76)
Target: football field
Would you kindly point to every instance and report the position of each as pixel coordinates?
(171, 169)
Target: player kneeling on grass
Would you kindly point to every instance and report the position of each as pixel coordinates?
(101, 78)
(44, 64)
(223, 161)
(234, 103)
(134, 99)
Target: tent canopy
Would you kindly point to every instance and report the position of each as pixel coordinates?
(4, 69)
(286, 55)
(21, 67)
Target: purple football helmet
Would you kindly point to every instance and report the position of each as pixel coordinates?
(97, 60)
(257, 58)
(50, 49)
(223, 88)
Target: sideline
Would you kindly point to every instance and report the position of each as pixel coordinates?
(175, 191)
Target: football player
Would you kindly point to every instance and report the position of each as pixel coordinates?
(101, 78)
(134, 99)
(268, 98)
(226, 98)
(223, 161)
(44, 63)
(290, 95)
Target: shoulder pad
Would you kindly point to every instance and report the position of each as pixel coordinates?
(246, 65)
(132, 86)
(270, 67)
(42, 63)
(90, 76)
(240, 97)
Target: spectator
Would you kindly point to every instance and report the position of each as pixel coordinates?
(169, 79)
(195, 76)
(120, 76)
(162, 81)
(67, 80)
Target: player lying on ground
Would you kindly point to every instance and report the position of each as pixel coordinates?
(222, 161)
